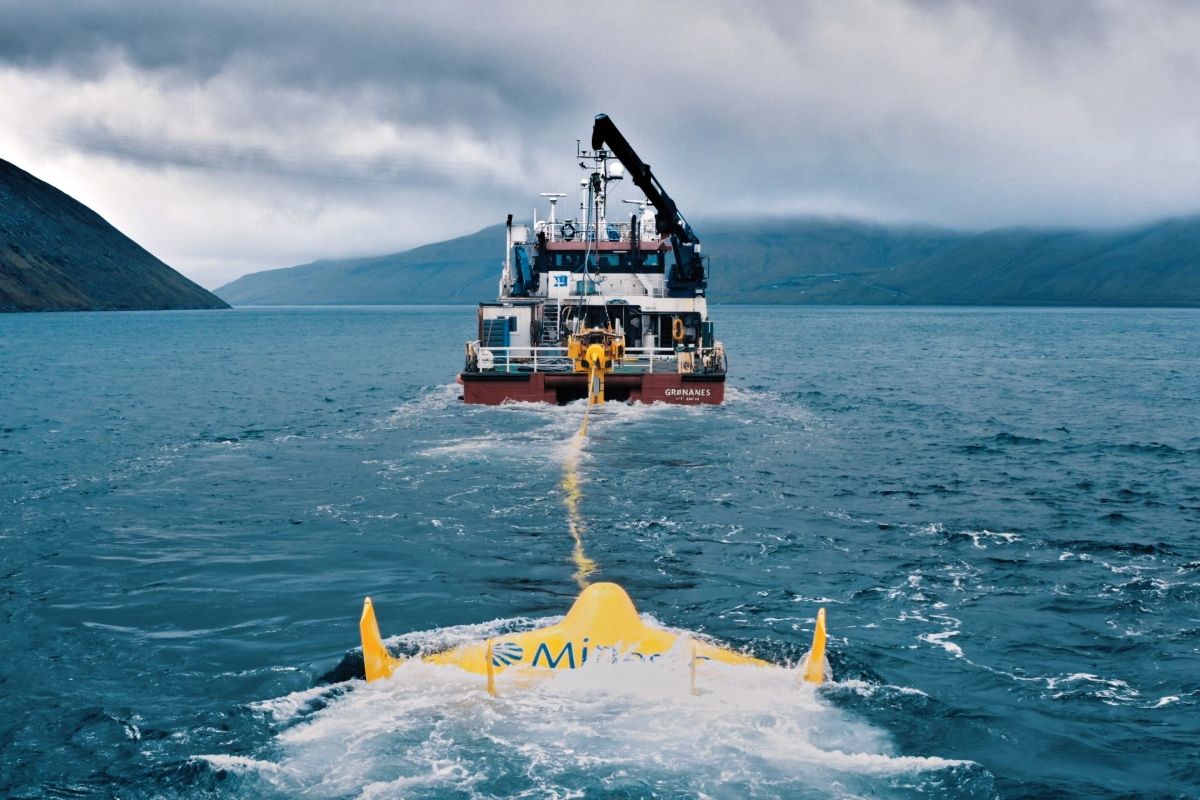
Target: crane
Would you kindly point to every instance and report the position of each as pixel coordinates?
(687, 275)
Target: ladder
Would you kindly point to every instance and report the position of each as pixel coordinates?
(551, 315)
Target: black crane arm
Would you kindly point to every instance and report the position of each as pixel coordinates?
(668, 221)
(687, 277)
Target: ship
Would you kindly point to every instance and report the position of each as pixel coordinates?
(599, 306)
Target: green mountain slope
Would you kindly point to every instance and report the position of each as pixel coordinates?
(56, 254)
(808, 261)
(814, 261)
(461, 270)
(1156, 265)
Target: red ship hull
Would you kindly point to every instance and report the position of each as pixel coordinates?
(492, 389)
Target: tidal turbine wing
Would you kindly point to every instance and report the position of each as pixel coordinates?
(603, 624)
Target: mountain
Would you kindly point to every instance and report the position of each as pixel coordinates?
(56, 254)
(808, 261)
(460, 270)
(1156, 265)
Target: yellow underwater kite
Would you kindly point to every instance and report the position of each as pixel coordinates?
(602, 623)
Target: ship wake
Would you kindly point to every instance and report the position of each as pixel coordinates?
(628, 728)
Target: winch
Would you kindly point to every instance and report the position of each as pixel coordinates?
(595, 351)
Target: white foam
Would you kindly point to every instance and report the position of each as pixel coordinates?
(981, 538)
(865, 689)
(769, 406)
(290, 706)
(238, 764)
(433, 730)
(942, 639)
(1112, 691)
(442, 773)
(553, 440)
(460, 447)
(433, 400)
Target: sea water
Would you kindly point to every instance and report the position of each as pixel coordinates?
(1000, 510)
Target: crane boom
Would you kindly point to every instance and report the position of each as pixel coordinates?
(687, 277)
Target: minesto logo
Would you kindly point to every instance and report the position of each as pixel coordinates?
(559, 655)
(688, 392)
(507, 653)
(573, 655)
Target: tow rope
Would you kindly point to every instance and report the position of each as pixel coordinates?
(584, 566)
(603, 616)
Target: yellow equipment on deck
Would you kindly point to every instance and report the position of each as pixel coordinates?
(595, 351)
(602, 624)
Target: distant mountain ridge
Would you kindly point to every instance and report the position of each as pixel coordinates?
(455, 271)
(56, 254)
(807, 261)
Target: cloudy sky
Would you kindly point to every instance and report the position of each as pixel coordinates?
(228, 137)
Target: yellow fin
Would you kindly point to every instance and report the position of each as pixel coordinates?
(378, 663)
(816, 668)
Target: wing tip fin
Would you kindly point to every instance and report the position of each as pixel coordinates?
(816, 668)
(377, 662)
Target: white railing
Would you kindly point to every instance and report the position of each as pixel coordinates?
(644, 358)
(505, 359)
(554, 359)
(571, 231)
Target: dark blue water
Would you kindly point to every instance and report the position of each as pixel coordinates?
(1000, 510)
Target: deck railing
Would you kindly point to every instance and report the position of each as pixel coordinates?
(570, 231)
(554, 359)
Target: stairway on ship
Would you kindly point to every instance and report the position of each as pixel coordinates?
(551, 318)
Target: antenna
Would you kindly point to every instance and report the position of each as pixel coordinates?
(553, 197)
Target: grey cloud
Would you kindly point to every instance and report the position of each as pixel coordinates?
(1036, 23)
(417, 173)
(429, 61)
(964, 113)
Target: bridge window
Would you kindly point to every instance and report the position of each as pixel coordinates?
(568, 260)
